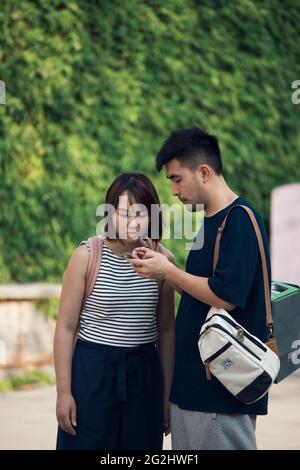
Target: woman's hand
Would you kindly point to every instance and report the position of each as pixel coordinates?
(66, 412)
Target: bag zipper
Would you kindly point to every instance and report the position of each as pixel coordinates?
(231, 322)
(215, 325)
(219, 352)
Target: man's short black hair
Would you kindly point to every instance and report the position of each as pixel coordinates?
(191, 147)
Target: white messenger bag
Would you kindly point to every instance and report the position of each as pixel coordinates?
(245, 365)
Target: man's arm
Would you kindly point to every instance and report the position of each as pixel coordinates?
(196, 286)
(176, 287)
(158, 266)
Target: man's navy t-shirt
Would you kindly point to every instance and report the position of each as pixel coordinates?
(238, 280)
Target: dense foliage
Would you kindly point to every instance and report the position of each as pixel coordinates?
(94, 87)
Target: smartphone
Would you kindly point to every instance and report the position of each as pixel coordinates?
(129, 256)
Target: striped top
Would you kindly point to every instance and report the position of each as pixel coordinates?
(121, 309)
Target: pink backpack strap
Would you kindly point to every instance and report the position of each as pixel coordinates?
(96, 248)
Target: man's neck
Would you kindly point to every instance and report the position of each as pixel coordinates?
(222, 197)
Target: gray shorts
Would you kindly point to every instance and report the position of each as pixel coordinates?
(196, 430)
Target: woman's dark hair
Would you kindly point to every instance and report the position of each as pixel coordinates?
(140, 190)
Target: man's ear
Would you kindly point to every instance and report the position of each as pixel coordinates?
(203, 172)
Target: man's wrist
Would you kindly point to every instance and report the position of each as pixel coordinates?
(169, 274)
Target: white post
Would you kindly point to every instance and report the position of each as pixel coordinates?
(285, 233)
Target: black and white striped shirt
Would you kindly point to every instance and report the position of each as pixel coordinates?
(121, 309)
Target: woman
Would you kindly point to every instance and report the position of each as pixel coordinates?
(113, 392)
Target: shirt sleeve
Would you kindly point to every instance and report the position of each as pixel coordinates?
(236, 268)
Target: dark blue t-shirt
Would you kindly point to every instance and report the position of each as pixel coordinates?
(238, 280)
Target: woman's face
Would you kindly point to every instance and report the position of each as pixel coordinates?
(130, 219)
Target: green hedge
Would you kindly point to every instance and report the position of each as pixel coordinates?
(26, 380)
(94, 87)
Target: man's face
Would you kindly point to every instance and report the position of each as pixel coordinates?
(187, 185)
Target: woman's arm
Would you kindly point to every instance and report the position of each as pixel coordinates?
(166, 343)
(69, 310)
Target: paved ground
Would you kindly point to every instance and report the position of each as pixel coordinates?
(27, 418)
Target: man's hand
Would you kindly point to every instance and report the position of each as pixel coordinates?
(151, 264)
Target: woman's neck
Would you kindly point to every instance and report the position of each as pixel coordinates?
(120, 247)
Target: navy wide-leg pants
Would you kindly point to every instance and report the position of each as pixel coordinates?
(119, 398)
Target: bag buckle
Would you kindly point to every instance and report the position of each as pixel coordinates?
(240, 335)
(271, 330)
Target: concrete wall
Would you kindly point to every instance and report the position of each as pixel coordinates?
(26, 335)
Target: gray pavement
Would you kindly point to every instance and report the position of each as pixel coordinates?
(27, 418)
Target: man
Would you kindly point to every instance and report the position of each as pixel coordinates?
(204, 415)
